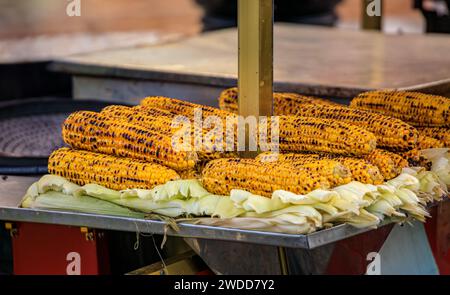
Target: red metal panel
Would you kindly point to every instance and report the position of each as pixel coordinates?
(438, 232)
(55, 249)
(350, 255)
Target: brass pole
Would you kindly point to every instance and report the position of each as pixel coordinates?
(284, 265)
(372, 15)
(255, 82)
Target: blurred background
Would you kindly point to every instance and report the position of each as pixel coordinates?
(21, 18)
(35, 32)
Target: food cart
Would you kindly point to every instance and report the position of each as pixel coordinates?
(312, 61)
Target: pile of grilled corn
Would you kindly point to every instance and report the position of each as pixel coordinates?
(397, 126)
(323, 145)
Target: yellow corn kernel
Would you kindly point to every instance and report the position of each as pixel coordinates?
(440, 133)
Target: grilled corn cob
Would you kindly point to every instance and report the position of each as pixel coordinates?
(222, 175)
(181, 107)
(389, 164)
(336, 173)
(99, 133)
(440, 133)
(426, 142)
(283, 103)
(146, 118)
(361, 170)
(323, 135)
(412, 107)
(83, 167)
(391, 133)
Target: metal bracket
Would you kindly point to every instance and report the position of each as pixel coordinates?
(88, 233)
(11, 227)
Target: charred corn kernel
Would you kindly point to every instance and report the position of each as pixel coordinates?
(228, 100)
(362, 170)
(125, 112)
(412, 107)
(390, 132)
(389, 164)
(289, 103)
(181, 107)
(324, 135)
(284, 103)
(302, 158)
(148, 120)
(205, 156)
(99, 133)
(189, 174)
(416, 159)
(336, 173)
(440, 133)
(399, 161)
(426, 142)
(82, 167)
(222, 175)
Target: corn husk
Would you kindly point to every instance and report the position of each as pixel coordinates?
(53, 200)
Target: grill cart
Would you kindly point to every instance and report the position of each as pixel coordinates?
(323, 62)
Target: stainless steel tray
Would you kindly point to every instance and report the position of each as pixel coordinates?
(310, 241)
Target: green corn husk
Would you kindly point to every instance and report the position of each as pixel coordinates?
(53, 200)
(173, 199)
(226, 209)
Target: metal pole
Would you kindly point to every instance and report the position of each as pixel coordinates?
(372, 15)
(255, 26)
(284, 266)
